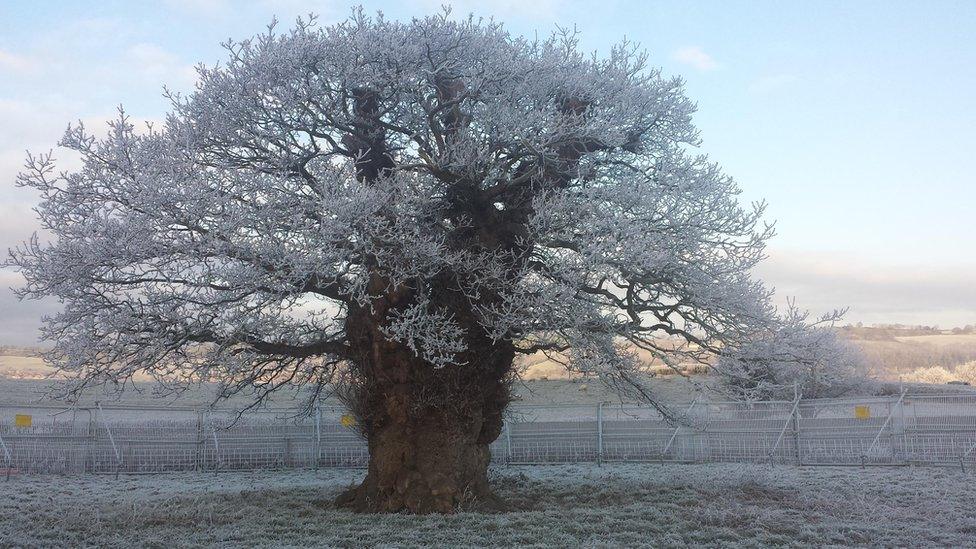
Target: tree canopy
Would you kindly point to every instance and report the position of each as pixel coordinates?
(241, 223)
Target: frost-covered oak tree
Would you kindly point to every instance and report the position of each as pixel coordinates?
(399, 209)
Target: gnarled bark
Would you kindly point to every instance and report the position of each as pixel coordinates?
(428, 429)
(426, 461)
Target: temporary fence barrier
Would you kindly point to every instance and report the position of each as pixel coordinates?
(923, 429)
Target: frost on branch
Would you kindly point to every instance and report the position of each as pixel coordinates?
(431, 335)
(808, 355)
(440, 185)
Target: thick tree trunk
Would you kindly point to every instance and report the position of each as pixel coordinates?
(428, 429)
(433, 463)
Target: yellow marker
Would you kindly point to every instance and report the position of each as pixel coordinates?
(347, 420)
(862, 412)
(23, 420)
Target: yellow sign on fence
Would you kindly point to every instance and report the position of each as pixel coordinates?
(23, 420)
(347, 420)
(862, 412)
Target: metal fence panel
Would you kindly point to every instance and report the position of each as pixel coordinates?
(901, 429)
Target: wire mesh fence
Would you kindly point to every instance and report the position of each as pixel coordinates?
(902, 429)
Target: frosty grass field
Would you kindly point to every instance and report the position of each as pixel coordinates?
(550, 506)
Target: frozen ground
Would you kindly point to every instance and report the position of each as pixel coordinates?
(551, 506)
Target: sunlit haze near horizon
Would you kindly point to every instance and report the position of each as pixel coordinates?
(854, 120)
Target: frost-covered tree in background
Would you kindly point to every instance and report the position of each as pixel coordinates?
(794, 354)
(400, 209)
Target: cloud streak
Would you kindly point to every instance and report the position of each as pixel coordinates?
(10, 61)
(875, 292)
(20, 320)
(695, 57)
(155, 63)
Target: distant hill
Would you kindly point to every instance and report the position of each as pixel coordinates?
(10, 350)
(888, 332)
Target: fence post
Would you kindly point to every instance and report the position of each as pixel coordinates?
(91, 439)
(707, 446)
(318, 434)
(599, 434)
(508, 442)
(115, 448)
(6, 453)
(796, 424)
(200, 441)
(213, 432)
(789, 420)
(904, 431)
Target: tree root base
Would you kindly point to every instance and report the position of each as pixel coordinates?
(358, 500)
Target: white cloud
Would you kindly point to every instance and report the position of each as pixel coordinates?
(695, 57)
(21, 320)
(32, 123)
(37, 125)
(158, 64)
(14, 62)
(875, 291)
(151, 55)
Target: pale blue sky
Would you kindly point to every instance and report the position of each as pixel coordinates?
(855, 120)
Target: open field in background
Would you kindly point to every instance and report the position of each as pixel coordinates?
(891, 355)
(548, 506)
(23, 367)
(913, 358)
(538, 391)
